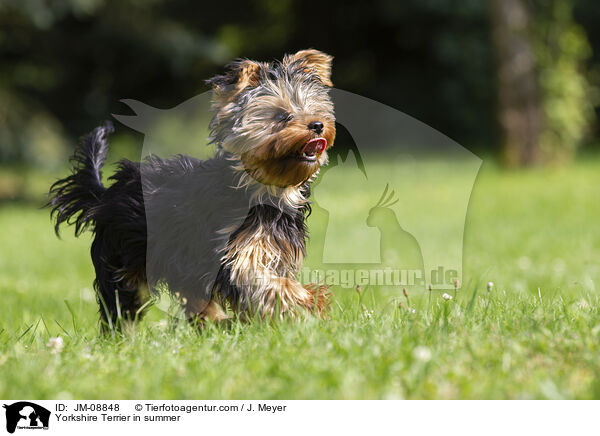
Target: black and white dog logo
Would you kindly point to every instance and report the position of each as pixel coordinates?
(26, 415)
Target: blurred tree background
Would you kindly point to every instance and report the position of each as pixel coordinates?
(511, 78)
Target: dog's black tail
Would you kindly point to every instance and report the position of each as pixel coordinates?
(73, 198)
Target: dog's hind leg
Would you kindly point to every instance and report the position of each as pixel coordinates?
(119, 302)
(118, 291)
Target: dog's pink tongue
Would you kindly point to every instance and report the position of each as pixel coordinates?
(315, 146)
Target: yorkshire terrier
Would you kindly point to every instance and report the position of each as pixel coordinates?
(228, 232)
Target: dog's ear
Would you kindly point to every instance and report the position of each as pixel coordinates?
(316, 61)
(239, 75)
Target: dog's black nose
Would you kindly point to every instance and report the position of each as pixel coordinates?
(317, 126)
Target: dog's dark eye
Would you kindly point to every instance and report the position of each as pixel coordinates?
(283, 117)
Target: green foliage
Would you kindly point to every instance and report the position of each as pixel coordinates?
(568, 98)
(66, 64)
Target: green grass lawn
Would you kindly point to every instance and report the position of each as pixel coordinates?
(534, 233)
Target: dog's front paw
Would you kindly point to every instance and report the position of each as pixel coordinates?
(319, 302)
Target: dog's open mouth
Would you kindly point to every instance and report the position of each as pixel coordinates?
(312, 148)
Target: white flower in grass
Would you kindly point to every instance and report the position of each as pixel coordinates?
(446, 296)
(422, 353)
(87, 353)
(56, 345)
(490, 287)
(582, 304)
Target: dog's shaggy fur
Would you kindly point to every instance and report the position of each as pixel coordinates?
(228, 231)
